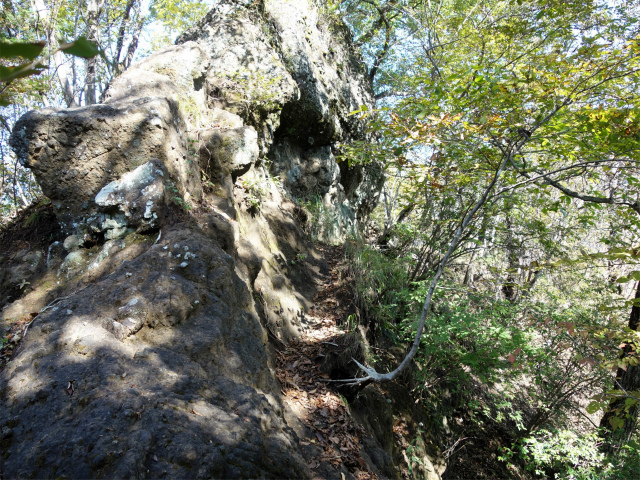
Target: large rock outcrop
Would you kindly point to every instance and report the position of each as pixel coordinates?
(169, 370)
(183, 260)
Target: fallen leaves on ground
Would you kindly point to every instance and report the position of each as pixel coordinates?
(304, 384)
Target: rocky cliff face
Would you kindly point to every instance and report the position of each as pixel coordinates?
(182, 260)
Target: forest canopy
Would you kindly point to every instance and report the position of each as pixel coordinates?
(509, 133)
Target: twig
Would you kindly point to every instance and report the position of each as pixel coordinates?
(581, 413)
(57, 300)
(450, 451)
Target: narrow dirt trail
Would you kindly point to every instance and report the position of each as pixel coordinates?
(334, 433)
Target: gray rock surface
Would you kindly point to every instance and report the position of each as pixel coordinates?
(169, 73)
(275, 66)
(295, 77)
(231, 151)
(135, 200)
(171, 377)
(75, 153)
(182, 256)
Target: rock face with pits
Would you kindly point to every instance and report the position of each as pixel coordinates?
(183, 259)
(75, 153)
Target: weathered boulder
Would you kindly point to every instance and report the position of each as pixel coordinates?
(306, 172)
(135, 200)
(277, 66)
(232, 151)
(169, 371)
(330, 74)
(295, 77)
(247, 75)
(170, 73)
(75, 153)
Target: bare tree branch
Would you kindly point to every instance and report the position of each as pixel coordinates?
(371, 374)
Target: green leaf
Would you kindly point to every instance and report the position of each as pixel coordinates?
(8, 74)
(635, 275)
(28, 51)
(592, 408)
(616, 422)
(81, 48)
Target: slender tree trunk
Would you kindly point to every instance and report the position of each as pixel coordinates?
(120, 39)
(3, 181)
(59, 64)
(469, 273)
(628, 381)
(509, 287)
(133, 45)
(532, 278)
(64, 72)
(92, 14)
(25, 202)
(121, 66)
(2, 185)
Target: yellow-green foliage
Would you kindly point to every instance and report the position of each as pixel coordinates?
(176, 16)
(194, 114)
(257, 86)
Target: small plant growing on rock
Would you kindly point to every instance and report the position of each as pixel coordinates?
(257, 86)
(252, 203)
(253, 193)
(300, 257)
(193, 114)
(352, 322)
(206, 181)
(176, 198)
(318, 219)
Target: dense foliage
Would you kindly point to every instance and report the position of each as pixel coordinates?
(509, 131)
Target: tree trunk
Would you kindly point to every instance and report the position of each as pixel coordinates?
(94, 8)
(627, 381)
(59, 65)
(3, 180)
(16, 180)
(532, 278)
(133, 45)
(469, 273)
(120, 39)
(509, 287)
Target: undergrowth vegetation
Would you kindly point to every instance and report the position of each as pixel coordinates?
(533, 370)
(320, 222)
(508, 227)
